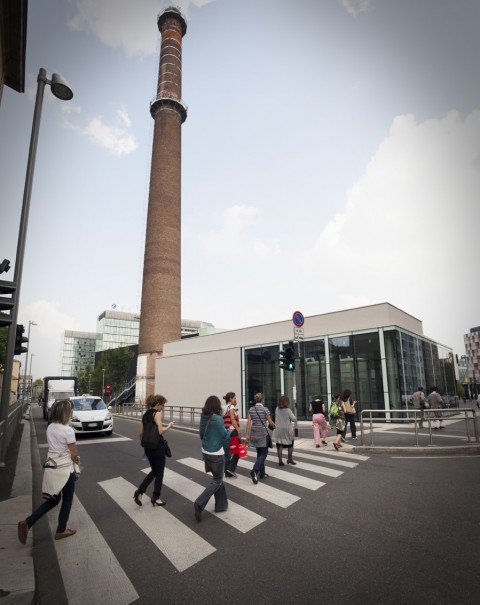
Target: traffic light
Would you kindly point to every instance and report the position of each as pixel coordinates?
(108, 389)
(7, 302)
(287, 358)
(20, 340)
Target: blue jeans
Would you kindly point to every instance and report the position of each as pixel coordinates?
(216, 487)
(156, 459)
(66, 497)
(259, 466)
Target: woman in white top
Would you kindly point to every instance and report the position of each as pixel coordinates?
(59, 476)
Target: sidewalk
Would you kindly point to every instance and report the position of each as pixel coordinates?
(17, 580)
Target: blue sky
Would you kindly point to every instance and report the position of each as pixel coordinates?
(330, 159)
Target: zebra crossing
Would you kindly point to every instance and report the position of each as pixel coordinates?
(180, 544)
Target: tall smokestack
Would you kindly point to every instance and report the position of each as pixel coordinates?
(160, 316)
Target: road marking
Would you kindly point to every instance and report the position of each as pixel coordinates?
(237, 516)
(346, 455)
(181, 545)
(284, 475)
(90, 571)
(321, 458)
(261, 490)
(104, 441)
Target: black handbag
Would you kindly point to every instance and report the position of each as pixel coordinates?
(168, 451)
(151, 437)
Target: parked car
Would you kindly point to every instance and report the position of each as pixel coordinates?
(91, 415)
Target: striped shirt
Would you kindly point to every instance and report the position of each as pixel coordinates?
(259, 414)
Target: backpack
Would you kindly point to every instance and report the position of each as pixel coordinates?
(334, 411)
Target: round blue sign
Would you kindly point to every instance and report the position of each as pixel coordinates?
(298, 319)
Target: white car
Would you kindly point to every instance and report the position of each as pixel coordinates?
(91, 415)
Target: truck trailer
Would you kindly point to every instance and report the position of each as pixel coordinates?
(57, 387)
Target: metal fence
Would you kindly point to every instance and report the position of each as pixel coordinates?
(389, 416)
(185, 416)
(8, 427)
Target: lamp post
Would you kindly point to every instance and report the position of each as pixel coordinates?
(31, 359)
(30, 324)
(60, 89)
(103, 381)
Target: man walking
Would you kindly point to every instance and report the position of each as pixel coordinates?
(418, 400)
(436, 403)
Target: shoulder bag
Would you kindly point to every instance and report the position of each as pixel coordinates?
(151, 437)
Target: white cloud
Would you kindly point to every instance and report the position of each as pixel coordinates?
(404, 235)
(46, 338)
(115, 139)
(356, 7)
(125, 24)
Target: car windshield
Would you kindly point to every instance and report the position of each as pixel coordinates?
(85, 404)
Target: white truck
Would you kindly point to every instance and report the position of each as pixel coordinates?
(57, 387)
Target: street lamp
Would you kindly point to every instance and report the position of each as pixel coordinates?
(60, 89)
(30, 373)
(103, 381)
(30, 324)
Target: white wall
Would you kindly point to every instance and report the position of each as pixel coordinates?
(187, 380)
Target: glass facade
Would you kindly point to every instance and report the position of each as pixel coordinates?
(78, 352)
(117, 329)
(382, 368)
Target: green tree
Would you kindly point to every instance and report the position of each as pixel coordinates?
(84, 379)
(115, 362)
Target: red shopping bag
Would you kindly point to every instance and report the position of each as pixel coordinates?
(242, 450)
(234, 443)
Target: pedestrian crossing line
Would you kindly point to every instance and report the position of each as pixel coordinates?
(295, 479)
(90, 571)
(347, 455)
(83, 442)
(181, 545)
(313, 468)
(237, 516)
(321, 458)
(261, 490)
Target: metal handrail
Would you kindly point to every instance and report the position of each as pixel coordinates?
(186, 416)
(429, 415)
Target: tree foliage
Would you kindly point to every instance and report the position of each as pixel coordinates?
(115, 362)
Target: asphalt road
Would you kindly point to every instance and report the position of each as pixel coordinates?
(337, 527)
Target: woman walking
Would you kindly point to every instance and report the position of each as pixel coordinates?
(256, 435)
(350, 411)
(337, 420)
(319, 420)
(215, 437)
(283, 435)
(230, 419)
(156, 453)
(59, 474)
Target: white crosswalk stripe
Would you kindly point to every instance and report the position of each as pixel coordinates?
(261, 490)
(320, 458)
(290, 477)
(181, 545)
(91, 573)
(237, 516)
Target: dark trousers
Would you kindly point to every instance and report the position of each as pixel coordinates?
(156, 459)
(350, 420)
(231, 460)
(66, 497)
(216, 487)
(259, 466)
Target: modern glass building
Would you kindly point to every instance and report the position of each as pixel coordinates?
(117, 329)
(78, 352)
(378, 352)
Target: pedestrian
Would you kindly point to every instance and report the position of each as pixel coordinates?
(156, 453)
(230, 418)
(418, 400)
(436, 403)
(283, 435)
(478, 401)
(319, 419)
(257, 434)
(337, 419)
(350, 411)
(59, 474)
(215, 437)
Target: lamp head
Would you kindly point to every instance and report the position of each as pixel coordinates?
(60, 88)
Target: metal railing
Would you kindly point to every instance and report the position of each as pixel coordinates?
(185, 416)
(9, 426)
(430, 416)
